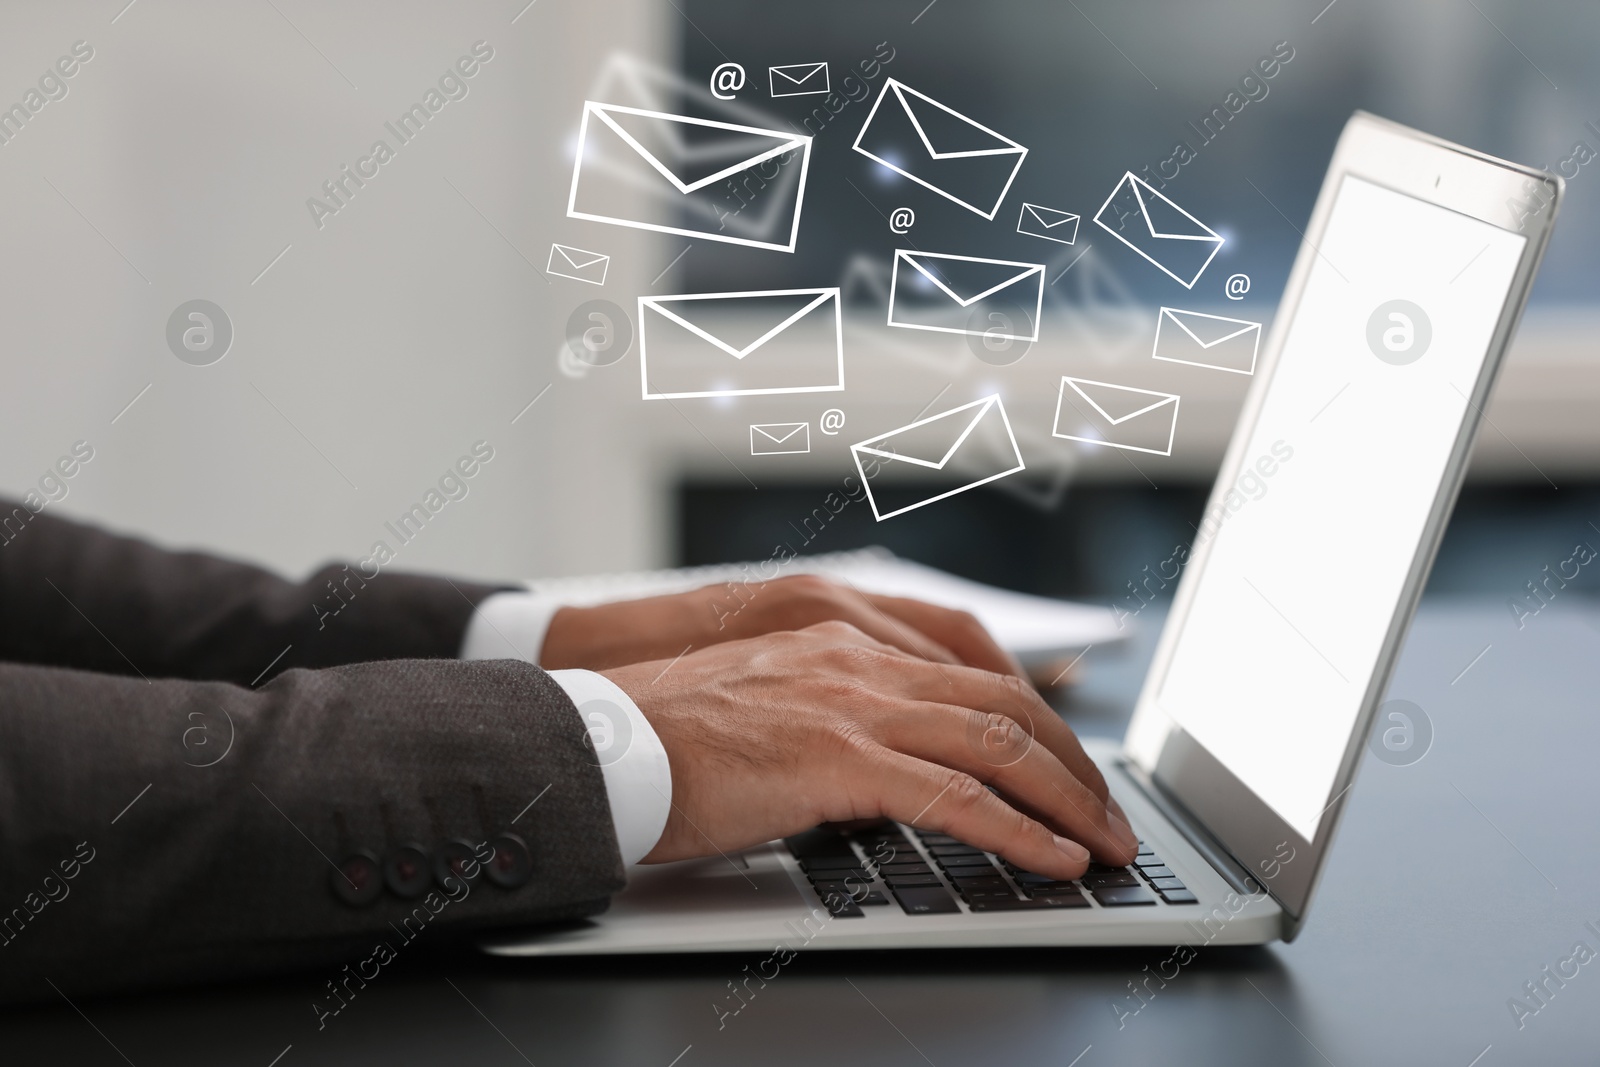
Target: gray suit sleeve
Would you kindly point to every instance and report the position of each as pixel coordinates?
(136, 850)
(75, 596)
(171, 809)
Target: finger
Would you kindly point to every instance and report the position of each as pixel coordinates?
(862, 632)
(931, 797)
(996, 750)
(958, 631)
(1010, 696)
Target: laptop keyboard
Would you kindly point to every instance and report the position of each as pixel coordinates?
(855, 872)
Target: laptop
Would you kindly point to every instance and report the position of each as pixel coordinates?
(1295, 598)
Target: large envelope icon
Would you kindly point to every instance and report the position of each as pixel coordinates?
(780, 438)
(1099, 413)
(1162, 232)
(578, 264)
(939, 148)
(920, 451)
(798, 79)
(966, 294)
(741, 344)
(1202, 340)
(639, 168)
(1036, 220)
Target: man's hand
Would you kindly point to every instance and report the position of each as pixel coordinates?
(772, 735)
(636, 631)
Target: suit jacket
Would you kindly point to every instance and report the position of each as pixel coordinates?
(208, 770)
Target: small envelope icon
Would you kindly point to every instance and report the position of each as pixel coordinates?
(1049, 223)
(1162, 232)
(962, 160)
(1139, 420)
(918, 452)
(798, 79)
(577, 264)
(780, 438)
(1202, 340)
(685, 168)
(741, 344)
(966, 294)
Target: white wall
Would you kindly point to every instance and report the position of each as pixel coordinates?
(402, 331)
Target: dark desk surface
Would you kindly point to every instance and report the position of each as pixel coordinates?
(1455, 880)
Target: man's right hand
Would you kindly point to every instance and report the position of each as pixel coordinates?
(773, 735)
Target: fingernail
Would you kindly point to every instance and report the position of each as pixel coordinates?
(1072, 850)
(1122, 831)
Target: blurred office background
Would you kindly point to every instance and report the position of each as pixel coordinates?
(374, 346)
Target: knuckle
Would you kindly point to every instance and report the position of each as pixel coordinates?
(808, 588)
(967, 621)
(850, 737)
(998, 739)
(837, 632)
(856, 659)
(966, 792)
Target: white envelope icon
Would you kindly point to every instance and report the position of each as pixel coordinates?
(780, 438)
(718, 344)
(977, 178)
(1202, 340)
(929, 446)
(1162, 232)
(685, 166)
(1049, 223)
(798, 79)
(577, 264)
(957, 294)
(1139, 420)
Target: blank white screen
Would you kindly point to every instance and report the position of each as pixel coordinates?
(1285, 628)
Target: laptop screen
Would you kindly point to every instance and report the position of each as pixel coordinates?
(1313, 543)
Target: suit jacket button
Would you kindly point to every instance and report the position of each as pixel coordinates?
(512, 864)
(407, 871)
(456, 862)
(358, 880)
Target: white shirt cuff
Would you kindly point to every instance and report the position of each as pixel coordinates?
(633, 763)
(510, 625)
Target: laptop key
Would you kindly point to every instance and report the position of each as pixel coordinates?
(1105, 881)
(840, 906)
(1165, 884)
(872, 899)
(1030, 878)
(985, 882)
(857, 890)
(1156, 872)
(904, 868)
(926, 901)
(908, 880)
(985, 892)
(1148, 861)
(1038, 904)
(1122, 896)
(1179, 896)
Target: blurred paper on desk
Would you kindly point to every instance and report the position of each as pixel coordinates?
(1037, 630)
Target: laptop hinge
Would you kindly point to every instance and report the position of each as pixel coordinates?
(1231, 870)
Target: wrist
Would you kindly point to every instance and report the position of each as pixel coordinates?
(568, 641)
